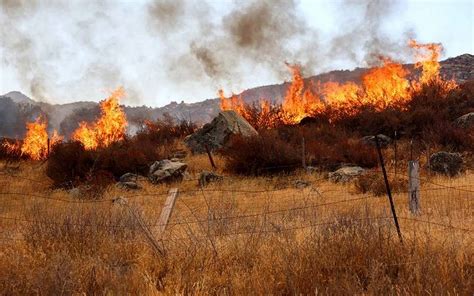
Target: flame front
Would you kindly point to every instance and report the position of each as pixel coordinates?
(109, 128)
(382, 87)
(35, 144)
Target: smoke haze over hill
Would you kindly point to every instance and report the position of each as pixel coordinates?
(164, 50)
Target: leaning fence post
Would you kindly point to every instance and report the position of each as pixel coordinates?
(208, 151)
(414, 186)
(166, 212)
(387, 185)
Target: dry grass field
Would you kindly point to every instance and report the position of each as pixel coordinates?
(242, 235)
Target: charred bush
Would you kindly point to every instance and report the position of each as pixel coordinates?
(260, 155)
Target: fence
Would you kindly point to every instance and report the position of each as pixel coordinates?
(219, 214)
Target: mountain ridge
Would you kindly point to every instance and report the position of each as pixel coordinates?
(460, 68)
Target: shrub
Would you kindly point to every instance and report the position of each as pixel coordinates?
(263, 154)
(373, 182)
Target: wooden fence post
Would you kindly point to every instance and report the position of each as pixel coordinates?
(414, 187)
(167, 210)
(210, 156)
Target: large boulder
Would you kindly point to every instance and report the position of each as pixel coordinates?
(345, 174)
(446, 163)
(217, 133)
(466, 121)
(167, 171)
(384, 140)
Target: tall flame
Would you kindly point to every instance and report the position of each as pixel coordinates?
(109, 128)
(35, 144)
(233, 102)
(382, 87)
(300, 100)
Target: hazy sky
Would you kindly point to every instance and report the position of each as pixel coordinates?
(159, 51)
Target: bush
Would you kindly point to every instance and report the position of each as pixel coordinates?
(260, 155)
(373, 182)
(70, 164)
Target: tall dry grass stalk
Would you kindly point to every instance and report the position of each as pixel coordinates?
(240, 236)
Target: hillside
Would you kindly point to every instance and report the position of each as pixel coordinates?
(460, 68)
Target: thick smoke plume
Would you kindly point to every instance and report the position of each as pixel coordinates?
(164, 49)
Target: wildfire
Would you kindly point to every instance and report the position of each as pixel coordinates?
(109, 128)
(300, 100)
(35, 144)
(384, 86)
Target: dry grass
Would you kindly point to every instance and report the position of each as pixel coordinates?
(240, 236)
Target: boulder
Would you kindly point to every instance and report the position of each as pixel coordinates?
(130, 185)
(129, 177)
(466, 121)
(207, 177)
(167, 171)
(217, 133)
(384, 140)
(345, 174)
(446, 163)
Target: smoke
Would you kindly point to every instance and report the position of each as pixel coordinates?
(169, 49)
(365, 41)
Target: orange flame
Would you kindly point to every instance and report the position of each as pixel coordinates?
(382, 87)
(35, 144)
(109, 128)
(234, 102)
(300, 100)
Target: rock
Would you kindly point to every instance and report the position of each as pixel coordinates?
(384, 140)
(345, 174)
(80, 191)
(129, 177)
(300, 184)
(466, 121)
(167, 171)
(217, 133)
(128, 185)
(446, 163)
(312, 170)
(207, 177)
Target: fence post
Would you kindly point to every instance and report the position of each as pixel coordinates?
(166, 212)
(303, 154)
(414, 187)
(211, 160)
(387, 185)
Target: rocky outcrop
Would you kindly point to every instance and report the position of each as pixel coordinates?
(167, 171)
(345, 174)
(217, 133)
(446, 163)
(129, 185)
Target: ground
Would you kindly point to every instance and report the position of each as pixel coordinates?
(244, 235)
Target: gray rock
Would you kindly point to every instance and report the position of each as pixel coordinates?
(128, 185)
(120, 201)
(346, 174)
(167, 171)
(217, 133)
(207, 177)
(129, 177)
(80, 191)
(384, 140)
(466, 121)
(300, 184)
(446, 163)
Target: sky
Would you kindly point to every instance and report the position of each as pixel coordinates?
(185, 50)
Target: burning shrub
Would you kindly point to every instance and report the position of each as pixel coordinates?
(259, 155)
